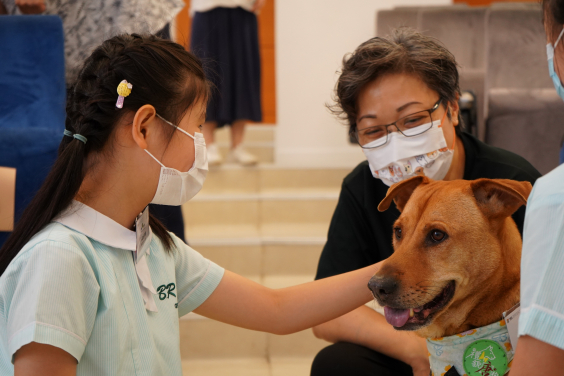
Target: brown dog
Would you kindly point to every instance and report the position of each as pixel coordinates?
(457, 252)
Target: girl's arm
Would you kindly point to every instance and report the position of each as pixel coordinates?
(36, 359)
(241, 302)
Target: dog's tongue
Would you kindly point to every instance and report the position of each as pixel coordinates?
(396, 317)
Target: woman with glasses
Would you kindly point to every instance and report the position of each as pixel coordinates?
(399, 96)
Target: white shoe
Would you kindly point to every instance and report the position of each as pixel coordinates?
(242, 156)
(214, 156)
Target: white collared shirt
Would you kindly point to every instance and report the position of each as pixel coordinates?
(75, 286)
(97, 226)
(542, 262)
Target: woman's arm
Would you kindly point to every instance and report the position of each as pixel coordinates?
(241, 302)
(37, 359)
(368, 328)
(534, 357)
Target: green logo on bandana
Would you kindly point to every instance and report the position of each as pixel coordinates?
(485, 358)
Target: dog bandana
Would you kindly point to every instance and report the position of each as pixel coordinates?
(484, 351)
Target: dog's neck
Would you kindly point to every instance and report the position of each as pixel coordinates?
(503, 293)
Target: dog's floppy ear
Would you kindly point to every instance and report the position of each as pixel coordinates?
(500, 197)
(401, 192)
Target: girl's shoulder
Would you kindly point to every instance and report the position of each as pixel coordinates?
(52, 236)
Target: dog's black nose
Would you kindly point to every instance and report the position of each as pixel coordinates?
(383, 286)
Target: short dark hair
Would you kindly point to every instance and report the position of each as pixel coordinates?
(405, 51)
(554, 9)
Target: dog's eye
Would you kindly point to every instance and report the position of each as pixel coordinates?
(397, 231)
(437, 236)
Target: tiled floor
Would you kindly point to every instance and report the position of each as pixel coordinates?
(248, 367)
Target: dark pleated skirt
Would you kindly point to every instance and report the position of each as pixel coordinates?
(226, 40)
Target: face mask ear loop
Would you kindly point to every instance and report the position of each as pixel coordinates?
(175, 126)
(559, 37)
(454, 132)
(186, 133)
(154, 158)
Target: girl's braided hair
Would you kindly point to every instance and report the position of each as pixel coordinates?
(163, 74)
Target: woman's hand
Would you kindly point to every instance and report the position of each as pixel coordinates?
(420, 361)
(31, 6)
(257, 6)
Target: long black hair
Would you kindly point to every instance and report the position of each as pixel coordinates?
(162, 73)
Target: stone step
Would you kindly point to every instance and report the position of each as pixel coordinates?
(259, 213)
(223, 341)
(253, 133)
(263, 151)
(209, 339)
(263, 258)
(267, 178)
(258, 140)
(294, 366)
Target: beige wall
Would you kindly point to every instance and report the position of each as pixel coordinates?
(311, 38)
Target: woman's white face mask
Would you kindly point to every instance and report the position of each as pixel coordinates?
(403, 157)
(175, 187)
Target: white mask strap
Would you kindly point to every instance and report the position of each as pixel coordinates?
(559, 37)
(177, 127)
(155, 158)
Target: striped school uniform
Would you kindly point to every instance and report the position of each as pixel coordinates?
(80, 285)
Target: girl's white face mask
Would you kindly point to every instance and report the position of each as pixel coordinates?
(175, 187)
(403, 157)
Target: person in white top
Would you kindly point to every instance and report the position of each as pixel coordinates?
(225, 35)
(90, 283)
(540, 349)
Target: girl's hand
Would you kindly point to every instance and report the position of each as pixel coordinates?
(257, 6)
(31, 6)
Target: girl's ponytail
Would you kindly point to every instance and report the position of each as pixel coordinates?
(56, 193)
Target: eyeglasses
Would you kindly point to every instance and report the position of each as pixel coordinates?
(409, 126)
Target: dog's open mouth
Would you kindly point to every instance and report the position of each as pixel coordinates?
(414, 318)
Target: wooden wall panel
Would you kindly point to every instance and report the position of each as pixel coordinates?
(488, 2)
(268, 67)
(267, 53)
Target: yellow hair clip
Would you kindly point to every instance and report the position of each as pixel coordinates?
(123, 90)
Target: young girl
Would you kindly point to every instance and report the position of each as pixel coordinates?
(91, 284)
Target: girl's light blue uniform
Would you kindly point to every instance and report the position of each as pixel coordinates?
(75, 286)
(542, 263)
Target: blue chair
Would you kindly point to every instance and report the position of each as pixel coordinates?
(32, 100)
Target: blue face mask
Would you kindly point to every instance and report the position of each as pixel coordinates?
(555, 79)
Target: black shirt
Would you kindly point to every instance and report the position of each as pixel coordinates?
(360, 235)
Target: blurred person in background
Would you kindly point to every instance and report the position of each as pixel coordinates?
(225, 36)
(540, 349)
(86, 24)
(399, 96)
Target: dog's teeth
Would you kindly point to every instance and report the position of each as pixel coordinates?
(411, 314)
